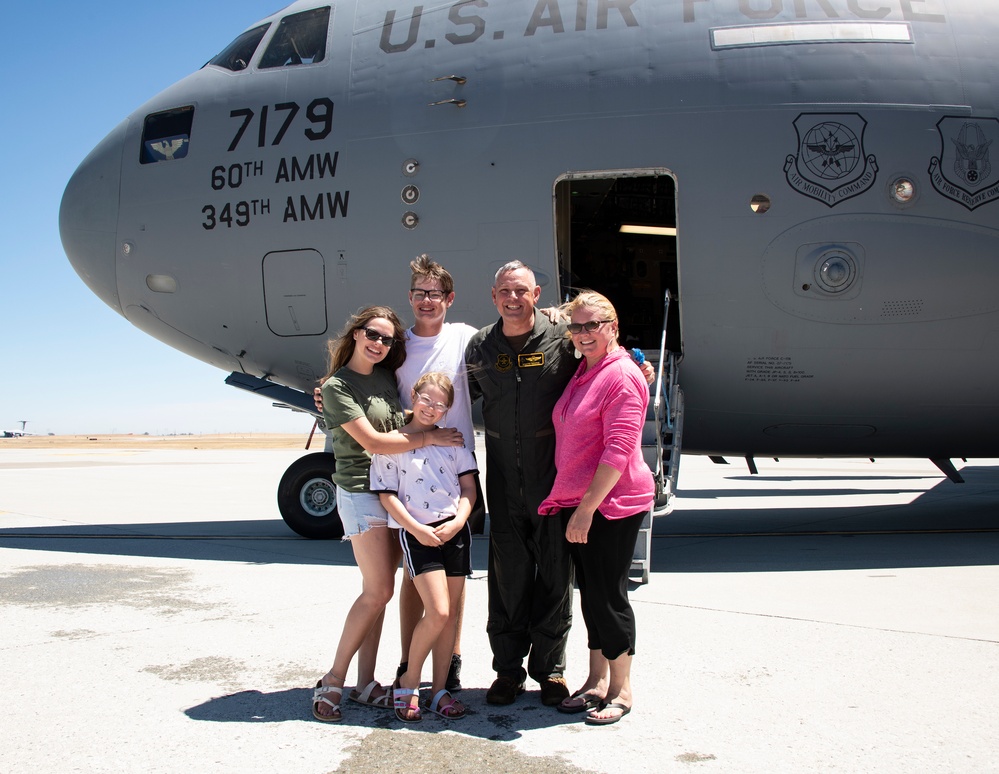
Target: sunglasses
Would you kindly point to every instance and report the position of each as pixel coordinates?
(372, 335)
(588, 326)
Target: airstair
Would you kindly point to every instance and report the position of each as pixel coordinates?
(661, 442)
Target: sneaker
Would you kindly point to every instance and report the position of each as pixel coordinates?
(554, 691)
(453, 683)
(504, 690)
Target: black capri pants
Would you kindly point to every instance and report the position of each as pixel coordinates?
(602, 564)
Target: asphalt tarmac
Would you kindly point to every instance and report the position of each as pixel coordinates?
(824, 615)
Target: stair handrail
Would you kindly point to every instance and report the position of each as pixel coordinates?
(661, 396)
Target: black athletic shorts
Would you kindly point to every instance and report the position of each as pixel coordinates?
(454, 557)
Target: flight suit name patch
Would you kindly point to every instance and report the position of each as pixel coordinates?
(531, 360)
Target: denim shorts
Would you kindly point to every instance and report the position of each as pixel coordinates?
(359, 512)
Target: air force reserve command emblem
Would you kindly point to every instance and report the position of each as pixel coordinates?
(963, 171)
(831, 165)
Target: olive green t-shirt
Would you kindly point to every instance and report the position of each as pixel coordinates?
(348, 395)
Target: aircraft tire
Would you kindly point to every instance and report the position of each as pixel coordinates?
(307, 497)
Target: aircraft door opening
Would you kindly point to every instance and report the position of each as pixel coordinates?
(616, 234)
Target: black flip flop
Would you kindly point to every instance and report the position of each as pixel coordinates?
(590, 702)
(612, 719)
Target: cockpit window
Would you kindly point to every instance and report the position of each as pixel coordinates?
(300, 39)
(166, 135)
(237, 54)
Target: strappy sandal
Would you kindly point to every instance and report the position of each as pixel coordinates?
(448, 711)
(319, 696)
(364, 697)
(405, 710)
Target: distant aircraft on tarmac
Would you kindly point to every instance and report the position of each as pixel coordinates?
(791, 203)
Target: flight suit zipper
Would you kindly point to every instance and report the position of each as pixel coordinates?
(516, 425)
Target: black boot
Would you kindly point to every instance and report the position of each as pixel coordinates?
(454, 674)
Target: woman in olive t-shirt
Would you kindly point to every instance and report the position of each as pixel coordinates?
(362, 411)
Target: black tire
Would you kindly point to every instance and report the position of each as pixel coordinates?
(307, 497)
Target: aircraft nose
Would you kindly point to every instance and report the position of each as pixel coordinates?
(88, 217)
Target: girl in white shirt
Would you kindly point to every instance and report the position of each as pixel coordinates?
(428, 494)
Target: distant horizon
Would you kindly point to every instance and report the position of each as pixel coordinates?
(162, 417)
(19, 434)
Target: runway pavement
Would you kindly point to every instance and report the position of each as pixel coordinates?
(828, 616)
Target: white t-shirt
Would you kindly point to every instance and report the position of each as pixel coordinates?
(444, 352)
(425, 480)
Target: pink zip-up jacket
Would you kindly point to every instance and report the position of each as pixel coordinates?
(599, 418)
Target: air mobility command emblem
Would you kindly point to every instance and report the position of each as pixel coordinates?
(963, 170)
(831, 165)
(503, 363)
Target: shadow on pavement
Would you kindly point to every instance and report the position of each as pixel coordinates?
(483, 720)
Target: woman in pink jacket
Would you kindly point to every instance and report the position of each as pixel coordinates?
(603, 488)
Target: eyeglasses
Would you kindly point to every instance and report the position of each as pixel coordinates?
(589, 326)
(433, 295)
(424, 400)
(372, 335)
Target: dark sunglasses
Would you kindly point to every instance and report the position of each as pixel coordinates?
(372, 335)
(589, 326)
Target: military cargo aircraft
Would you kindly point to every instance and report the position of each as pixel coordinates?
(790, 202)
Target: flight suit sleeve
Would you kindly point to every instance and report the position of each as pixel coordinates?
(473, 365)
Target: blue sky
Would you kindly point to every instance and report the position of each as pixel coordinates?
(70, 364)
